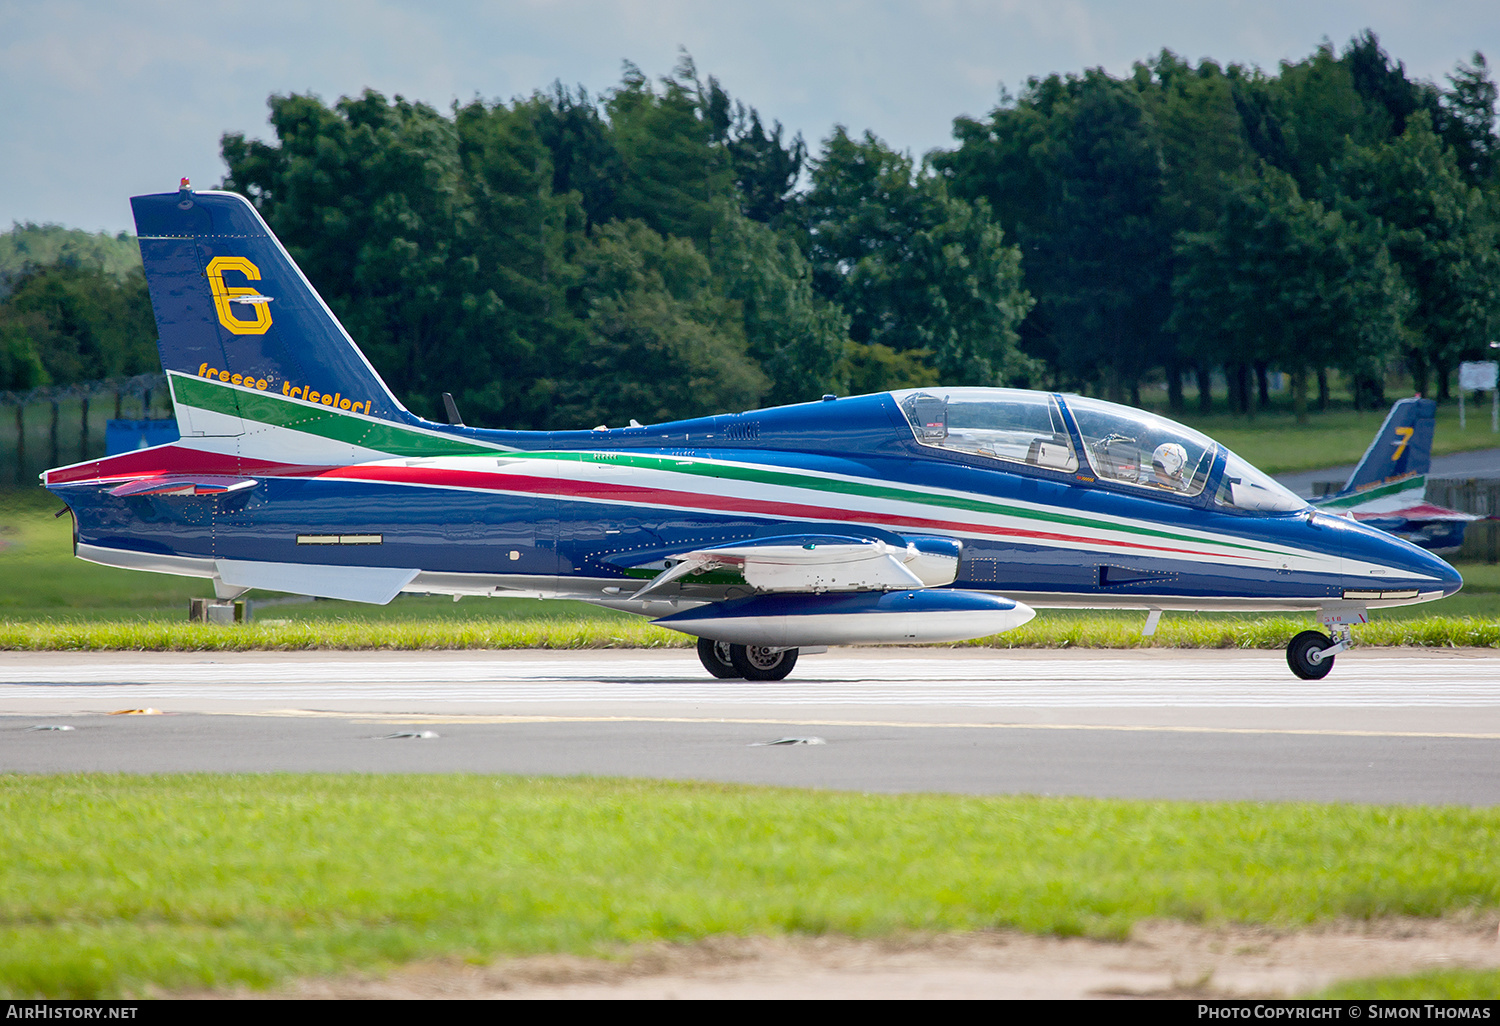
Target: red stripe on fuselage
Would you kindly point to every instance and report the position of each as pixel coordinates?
(644, 496)
(173, 459)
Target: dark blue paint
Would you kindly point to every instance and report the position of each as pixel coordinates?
(473, 532)
(445, 530)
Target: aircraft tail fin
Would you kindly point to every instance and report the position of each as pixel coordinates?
(1397, 461)
(245, 338)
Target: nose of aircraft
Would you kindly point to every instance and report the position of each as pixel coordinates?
(1376, 560)
(1449, 575)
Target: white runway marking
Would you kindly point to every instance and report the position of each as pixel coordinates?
(1198, 680)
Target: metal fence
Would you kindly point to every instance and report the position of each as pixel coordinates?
(60, 424)
(1477, 495)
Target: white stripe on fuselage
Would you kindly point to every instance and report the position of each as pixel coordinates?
(1114, 538)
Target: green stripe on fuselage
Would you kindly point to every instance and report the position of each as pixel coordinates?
(274, 411)
(757, 475)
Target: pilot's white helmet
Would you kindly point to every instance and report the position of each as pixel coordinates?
(1170, 457)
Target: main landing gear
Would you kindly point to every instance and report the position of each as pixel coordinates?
(750, 662)
(1310, 654)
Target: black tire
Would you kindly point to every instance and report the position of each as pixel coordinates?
(1299, 655)
(714, 655)
(756, 662)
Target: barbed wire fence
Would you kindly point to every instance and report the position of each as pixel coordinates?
(55, 425)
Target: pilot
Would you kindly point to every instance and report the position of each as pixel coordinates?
(1167, 464)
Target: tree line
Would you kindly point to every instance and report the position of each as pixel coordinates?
(1336, 215)
(73, 308)
(661, 250)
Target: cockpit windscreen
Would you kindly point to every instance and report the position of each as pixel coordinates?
(1244, 487)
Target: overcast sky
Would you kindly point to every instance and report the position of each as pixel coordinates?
(103, 99)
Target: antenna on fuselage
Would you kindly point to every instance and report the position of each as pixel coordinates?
(452, 408)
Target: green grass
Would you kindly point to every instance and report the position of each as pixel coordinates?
(559, 632)
(51, 600)
(113, 885)
(1054, 630)
(41, 582)
(1437, 985)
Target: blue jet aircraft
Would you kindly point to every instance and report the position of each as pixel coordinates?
(1389, 487)
(920, 515)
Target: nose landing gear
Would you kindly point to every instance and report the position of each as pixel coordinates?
(1305, 655)
(1310, 654)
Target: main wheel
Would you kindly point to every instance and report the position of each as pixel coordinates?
(714, 655)
(1299, 655)
(756, 662)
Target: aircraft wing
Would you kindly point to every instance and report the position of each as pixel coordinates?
(839, 590)
(821, 563)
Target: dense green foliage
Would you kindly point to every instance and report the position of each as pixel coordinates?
(657, 251)
(62, 324)
(41, 245)
(1335, 215)
(73, 307)
(560, 261)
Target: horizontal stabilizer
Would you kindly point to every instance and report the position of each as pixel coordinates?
(374, 584)
(1422, 511)
(184, 485)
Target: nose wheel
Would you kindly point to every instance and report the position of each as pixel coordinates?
(1304, 654)
(1310, 654)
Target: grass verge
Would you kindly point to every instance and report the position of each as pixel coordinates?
(1438, 985)
(1101, 630)
(398, 635)
(115, 885)
(1121, 630)
(52, 601)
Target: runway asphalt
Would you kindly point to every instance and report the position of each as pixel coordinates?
(1385, 727)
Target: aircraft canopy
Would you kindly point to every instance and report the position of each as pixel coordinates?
(1120, 444)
